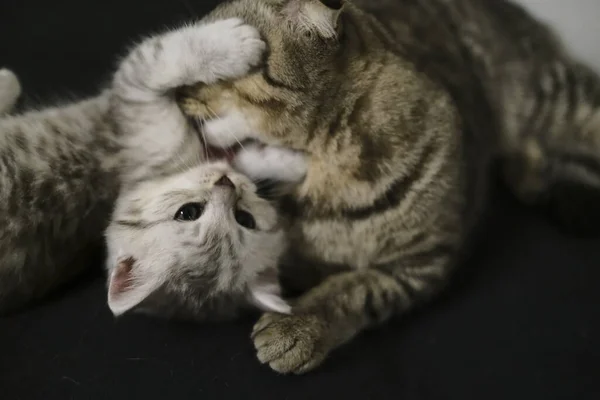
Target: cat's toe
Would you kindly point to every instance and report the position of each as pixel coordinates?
(190, 106)
(289, 343)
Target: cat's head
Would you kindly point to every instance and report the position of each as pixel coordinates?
(200, 244)
(301, 69)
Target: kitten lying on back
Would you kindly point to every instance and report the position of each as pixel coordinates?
(185, 230)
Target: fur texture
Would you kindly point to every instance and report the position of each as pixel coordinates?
(402, 108)
(205, 268)
(62, 170)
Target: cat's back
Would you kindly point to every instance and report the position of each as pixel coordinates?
(77, 123)
(474, 48)
(54, 143)
(52, 155)
(460, 32)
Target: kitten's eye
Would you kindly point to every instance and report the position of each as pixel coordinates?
(245, 219)
(189, 212)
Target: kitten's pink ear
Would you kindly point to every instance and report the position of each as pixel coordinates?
(266, 295)
(126, 289)
(320, 16)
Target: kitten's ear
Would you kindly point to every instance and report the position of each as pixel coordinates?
(266, 295)
(127, 289)
(320, 16)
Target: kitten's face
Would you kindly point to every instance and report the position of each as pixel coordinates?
(285, 96)
(200, 244)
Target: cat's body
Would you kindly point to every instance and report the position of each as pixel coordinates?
(402, 107)
(59, 181)
(63, 169)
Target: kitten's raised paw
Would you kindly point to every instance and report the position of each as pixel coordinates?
(290, 343)
(240, 47)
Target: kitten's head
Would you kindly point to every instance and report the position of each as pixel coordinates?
(301, 69)
(200, 244)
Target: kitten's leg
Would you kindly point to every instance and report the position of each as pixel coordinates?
(555, 161)
(157, 132)
(343, 305)
(10, 90)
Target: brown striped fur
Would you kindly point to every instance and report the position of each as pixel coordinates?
(402, 106)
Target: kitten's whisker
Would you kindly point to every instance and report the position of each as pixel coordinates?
(204, 143)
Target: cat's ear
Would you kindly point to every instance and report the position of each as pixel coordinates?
(320, 16)
(266, 295)
(126, 289)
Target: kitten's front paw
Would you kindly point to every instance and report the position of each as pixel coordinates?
(290, 343)
(238, 46)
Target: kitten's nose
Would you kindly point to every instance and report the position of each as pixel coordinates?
(225, 181)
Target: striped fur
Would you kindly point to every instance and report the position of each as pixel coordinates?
(402, 113)
(57, 185)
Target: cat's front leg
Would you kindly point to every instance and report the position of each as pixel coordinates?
(342, 306)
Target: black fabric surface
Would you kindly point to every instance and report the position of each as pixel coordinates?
(520, 322)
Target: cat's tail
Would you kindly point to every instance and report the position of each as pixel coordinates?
(10, 90)
(554, 163)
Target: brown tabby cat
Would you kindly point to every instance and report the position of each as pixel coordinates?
(401, 107)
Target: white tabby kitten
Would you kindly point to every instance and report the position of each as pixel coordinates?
(188, 237)
(197, 243)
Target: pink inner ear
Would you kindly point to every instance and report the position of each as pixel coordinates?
(121, 277)
(129, 287)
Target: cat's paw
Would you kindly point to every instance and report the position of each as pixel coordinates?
(237, 47)
(271, 162)
(290, 343)
(227, 130)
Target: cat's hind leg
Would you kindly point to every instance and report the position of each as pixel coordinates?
(10, 90)
(555, 163)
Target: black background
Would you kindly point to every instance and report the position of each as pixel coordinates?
(521, 321)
